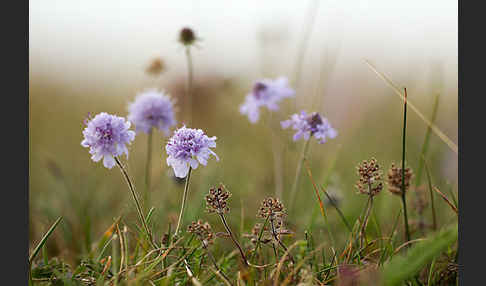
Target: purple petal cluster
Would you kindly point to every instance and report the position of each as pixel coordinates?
(152, 109)
(266, 93)
(308, 125)
(106, 136)
(189, 147)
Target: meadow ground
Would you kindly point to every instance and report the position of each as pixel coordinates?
(100, 241)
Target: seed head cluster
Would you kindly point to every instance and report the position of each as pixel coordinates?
(187, 36)
(202, 230)
(271, 208)
(370, 178)
(395, 179)
(217, 200)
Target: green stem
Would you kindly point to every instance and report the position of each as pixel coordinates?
(303, 154)
(184, 199)
(434, 218)
(137, 203)
(365, 220)
(147, 170)
(189, 83)
(404, 201)
(226, 226)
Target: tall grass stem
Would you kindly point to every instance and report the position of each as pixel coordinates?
(303, 154)
(148, 165)
(404, 200)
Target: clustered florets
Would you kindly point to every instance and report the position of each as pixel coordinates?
(187, 36)
(189, 147)
(217, 200)
(152, 109)
(308, 125)
(106, 136)
(395, 179)
(202, 230)
(370, 178)
(271, 208)
(266, 93)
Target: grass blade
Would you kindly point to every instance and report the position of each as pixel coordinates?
(401, 268)
(434, 128)
(44, 240)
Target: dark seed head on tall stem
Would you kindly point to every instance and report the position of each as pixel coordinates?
(202, 230)
(187, 36)
(370, 178)
(394, 179)
(217, 200)
(271, 208)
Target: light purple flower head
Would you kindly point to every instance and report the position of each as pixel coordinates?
(189, 147)
(265, 93)
(106, 136)
(308, 125)
(152, 109)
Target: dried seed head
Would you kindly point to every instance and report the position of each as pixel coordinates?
(370, 178)
(216, 200)
(255, 234)
(187, 36)
(395, 179)
(421, 201)
(202, 231)
(156, 67)
(271, 208)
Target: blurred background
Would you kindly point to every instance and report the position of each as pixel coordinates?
(93, 56)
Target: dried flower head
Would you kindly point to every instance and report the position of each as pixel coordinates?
(156, 67)
(266, 93)
(187, 36)
(189, 147)
(202, 230)
(308, 125)
(271, 208)
(370, 178)
(255, 234)
(395, 179)
(217, 200)
(106, 137)
(152, 109)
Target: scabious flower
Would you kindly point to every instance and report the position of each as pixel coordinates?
(106, 136)
(152, 109)
(189, 147)
(308, 125)
(266, 93)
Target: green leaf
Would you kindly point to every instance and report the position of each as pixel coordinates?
(44, 240)
(401, 268)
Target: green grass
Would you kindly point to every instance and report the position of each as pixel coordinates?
(102, 241)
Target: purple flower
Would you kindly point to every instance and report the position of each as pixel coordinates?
(189, 147)
(265, 93)
(106, 136)
(308, 125)
(152, 109)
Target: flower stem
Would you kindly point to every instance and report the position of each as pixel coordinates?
(293, 191)
(404, 201)
(189, 82)
(184, 199)
(137, 203)
(147, 171)
(226, 226)
(365, 220)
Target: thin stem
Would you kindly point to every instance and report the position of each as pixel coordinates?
(365, 220)
(147, 170)
(184, 199)
(434, 219)
(404, 201)
(189, 82)
(137, 203)
(226, 226)
(303, 154)
(211, 257)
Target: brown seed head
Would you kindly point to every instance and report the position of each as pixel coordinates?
(271, 208)
(187, 36)
(156, 67)
(216, 200)
(395, 179)
(202, 231)
(370, 178)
